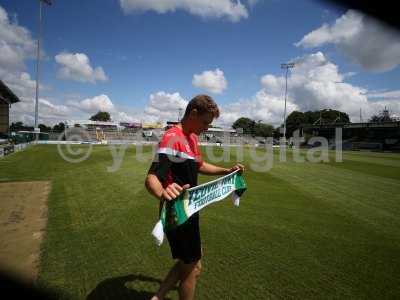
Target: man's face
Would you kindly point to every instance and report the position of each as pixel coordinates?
(201, 122)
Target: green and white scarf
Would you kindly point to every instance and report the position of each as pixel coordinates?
(176, 212)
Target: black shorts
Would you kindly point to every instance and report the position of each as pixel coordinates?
(184, 240)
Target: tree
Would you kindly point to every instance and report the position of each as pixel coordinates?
(325, 116)
(294, 121)
(245, 123)
(375, 119)
(332, 115)
(44, 128)
(310, 117)
(383, 116)
(262, 129)
(18, 126)
(254, 128)
(276, 134)
(101, 116)
(60, 127)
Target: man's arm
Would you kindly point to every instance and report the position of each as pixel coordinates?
(209, 169)
(155, 188)
(154, 185)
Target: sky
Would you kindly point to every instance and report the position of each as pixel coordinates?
(142, 60)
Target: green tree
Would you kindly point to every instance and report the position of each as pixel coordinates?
(44, 128)
(101, 116)
(59, 127)
(383, 116)
(324, 116)
(245, 123)
(310, 117)
(294, 121)
(262, 129)
(331, 115)
(18, 126)
(277, 132)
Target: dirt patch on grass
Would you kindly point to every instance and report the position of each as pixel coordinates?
(23, 218)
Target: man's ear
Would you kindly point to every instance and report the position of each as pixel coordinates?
(193, 113)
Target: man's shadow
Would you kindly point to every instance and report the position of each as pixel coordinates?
(115, 288)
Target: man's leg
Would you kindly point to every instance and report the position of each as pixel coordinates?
(189, 275)
(170, 280)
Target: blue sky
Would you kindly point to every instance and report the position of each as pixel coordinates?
(143, 52)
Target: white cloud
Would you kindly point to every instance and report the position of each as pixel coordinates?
(77, 67)
(273, 83)
(262, 106)
(384, 100)
(366, 41)
(232, 10)
(85, 108)
(377, 107)
(16, 44)
(211, 81)
(121, 116)
(252, 3)
(315, 83)
(49, 113)
(20, 83)
(10, 57)
(163, 106)
(388, 95)
(95, 104)
(24, 87)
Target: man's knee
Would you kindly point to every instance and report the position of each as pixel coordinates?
(191, 269)
(198, 268)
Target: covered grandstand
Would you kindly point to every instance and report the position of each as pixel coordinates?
(357, 136)
(92, 131)
(7, 98)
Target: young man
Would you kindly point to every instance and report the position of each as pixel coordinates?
(175, 168)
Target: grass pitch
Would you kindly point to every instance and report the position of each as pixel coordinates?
(303, 230)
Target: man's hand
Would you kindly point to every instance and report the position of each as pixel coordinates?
(173, 191)
(239, 167)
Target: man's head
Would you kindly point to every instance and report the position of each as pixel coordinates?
(200, 113)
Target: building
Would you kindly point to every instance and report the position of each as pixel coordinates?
(370, 135)
(218, 135)
(171, 124)
(157, 125)
(211, 132)
(134, 125)
(93, 125)
(7, 97)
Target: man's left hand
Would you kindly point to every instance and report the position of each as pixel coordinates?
(239, 167)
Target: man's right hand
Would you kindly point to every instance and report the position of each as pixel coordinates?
(173, 191)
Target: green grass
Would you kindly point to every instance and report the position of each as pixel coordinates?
(303, 230)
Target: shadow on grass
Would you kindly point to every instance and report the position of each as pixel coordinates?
(115, 288)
